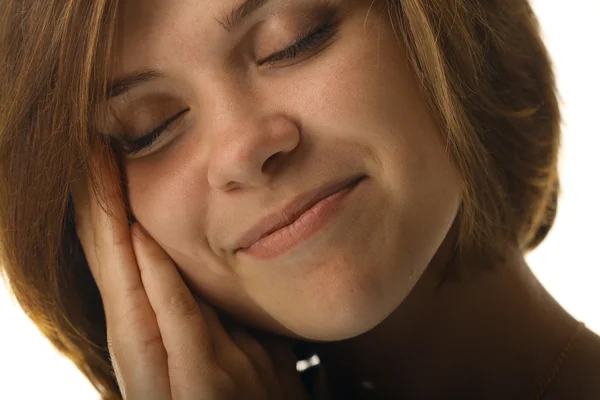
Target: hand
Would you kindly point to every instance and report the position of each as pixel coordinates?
(164, 342)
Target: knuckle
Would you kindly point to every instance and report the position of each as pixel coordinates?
(152, 345)
(134, 317)
(181, 304)
(134, 294)
(148, 347)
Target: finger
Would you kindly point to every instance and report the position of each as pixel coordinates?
(81, 208)
(132, 327)
(236, 349)
(254, 353)
(217, 327)
(186, 335)
(254, 350)
(111, 233)
(141, 371)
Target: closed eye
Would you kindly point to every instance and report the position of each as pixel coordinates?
(132, 147)
(314, 38)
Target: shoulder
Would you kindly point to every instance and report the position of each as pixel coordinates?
(579, 377)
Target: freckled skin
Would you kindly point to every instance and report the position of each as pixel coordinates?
(351, 106)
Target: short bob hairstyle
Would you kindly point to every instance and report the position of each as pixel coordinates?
(482, 67)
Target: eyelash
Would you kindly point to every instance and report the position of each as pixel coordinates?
(132, 147)
(315, 37)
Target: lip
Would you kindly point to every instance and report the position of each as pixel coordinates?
(294, 210)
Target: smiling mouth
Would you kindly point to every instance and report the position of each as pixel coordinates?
(311, 219)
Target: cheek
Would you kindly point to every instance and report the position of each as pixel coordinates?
(362, 93)
(373, 95)
(170, 208)
(344, 88)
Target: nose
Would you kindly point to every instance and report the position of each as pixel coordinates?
(249, 148)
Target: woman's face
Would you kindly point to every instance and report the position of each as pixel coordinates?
(246, 137)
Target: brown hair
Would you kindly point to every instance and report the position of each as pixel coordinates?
(481, 63)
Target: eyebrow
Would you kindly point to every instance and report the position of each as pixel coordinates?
(230, 21)
(234, 18)
(128, 82)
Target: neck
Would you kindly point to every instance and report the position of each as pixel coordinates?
(495, 334)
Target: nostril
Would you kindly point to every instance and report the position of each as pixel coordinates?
(274, 156)
(271, 160)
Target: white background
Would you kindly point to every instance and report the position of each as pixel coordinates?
(567, 263)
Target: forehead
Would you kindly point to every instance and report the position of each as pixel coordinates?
(158, 30)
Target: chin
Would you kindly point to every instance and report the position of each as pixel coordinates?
(340, 328)
(343, 320)
(343, 296)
